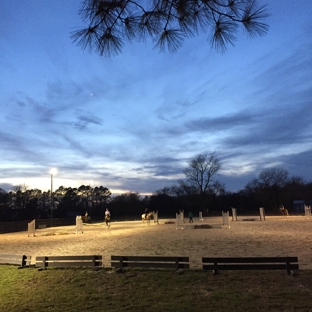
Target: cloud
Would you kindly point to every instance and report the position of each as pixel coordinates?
(6, 186)
(298, 163)
(222, 123)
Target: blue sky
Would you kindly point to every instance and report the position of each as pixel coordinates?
(132, 122)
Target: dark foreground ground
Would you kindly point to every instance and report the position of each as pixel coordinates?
(72, 290)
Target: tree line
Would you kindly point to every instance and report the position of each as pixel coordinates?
(199, 191)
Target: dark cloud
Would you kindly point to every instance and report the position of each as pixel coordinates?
(236, 183)
(298, 163)
(146, 185)
(280, 126)
(227, 122)
(16, 148)
(6, 186)
(90, 119)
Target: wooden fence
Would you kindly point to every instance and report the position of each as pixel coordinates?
(216, 264)
(150, 262)
(20, 260)
(250, 263)
(69, 261)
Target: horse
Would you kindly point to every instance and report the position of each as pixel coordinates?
(85, 219)
(283, 211)
(147, 217)
(107, 220)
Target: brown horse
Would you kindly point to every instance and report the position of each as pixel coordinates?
(147, 217)
(85, 219)
(283, 211)
(107, 220)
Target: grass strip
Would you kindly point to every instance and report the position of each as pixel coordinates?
(77, 289)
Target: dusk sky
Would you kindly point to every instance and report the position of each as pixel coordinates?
(132, 122)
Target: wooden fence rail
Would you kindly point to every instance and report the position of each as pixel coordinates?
(20, 260)
(68, 261)
(251, 263)
(150, 262)
(209, 263)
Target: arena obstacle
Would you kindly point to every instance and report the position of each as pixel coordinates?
(180, 220)
(32, 228)
(234, 214)
(79, 227)
(226, 219)
(155, 217)
(201, 216)
(182, 213)
(307, 211)
(262, 214)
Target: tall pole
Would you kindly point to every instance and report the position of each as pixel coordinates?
(51, 196)
(52, 172)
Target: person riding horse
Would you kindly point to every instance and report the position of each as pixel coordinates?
(107, 216)
(86, 217)
(146, 213)
(283, 211)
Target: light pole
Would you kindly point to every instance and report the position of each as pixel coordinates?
(53, 171)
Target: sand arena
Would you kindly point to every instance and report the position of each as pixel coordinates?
(276, 236)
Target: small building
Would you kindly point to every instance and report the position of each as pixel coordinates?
(299, 205)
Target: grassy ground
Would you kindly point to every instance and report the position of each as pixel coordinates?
(71, 290)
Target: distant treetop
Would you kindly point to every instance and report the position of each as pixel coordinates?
(168, 23)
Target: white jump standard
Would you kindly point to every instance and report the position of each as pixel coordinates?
(79, 226)
(180, 220)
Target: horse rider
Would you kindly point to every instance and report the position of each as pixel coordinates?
(107, 213)
(146, 212)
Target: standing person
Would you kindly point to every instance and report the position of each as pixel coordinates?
(190, 215)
